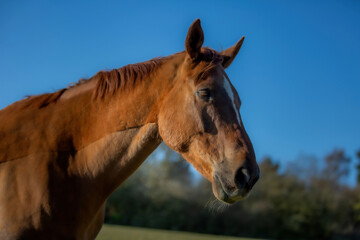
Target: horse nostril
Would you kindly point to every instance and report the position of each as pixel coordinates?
(242, 177)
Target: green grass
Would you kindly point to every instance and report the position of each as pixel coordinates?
(112, 232)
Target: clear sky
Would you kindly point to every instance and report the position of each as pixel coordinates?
(298, 72)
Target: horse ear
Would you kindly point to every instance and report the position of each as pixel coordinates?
(230, 53)
(194, 40)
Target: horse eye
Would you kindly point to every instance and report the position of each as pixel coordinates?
(204, 94)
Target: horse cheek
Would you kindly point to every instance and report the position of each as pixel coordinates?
(176, 128)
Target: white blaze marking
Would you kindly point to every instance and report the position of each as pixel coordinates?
(230, 93)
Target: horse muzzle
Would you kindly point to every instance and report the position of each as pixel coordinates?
(237, 189)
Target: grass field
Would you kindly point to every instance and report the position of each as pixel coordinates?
(112, 232)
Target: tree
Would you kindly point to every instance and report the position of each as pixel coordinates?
(304, 167)
(358, 168)
(337, 166)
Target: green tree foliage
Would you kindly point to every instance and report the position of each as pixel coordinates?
(303, 201)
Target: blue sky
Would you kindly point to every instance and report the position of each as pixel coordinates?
(298, 72)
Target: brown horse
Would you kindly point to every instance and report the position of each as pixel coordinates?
(64, 153)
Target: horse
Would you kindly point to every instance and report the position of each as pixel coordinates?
(64, 153)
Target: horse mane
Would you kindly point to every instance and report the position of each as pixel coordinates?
(40, 101)
(126, 77)
(108, 82)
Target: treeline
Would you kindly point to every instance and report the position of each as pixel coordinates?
(306, 199)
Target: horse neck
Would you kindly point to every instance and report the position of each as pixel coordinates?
(118, 132)
(130, 108)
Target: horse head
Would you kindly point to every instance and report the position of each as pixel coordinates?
(199, 118)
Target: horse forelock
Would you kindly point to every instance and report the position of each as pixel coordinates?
(210, 60)
(211, 55)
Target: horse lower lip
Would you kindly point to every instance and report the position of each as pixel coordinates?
(227, 197)
(234, 194)
(223, 195)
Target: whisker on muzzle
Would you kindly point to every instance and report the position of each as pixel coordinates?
(215, 206)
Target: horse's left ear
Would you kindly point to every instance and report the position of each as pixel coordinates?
(230, 53)
(194, 40)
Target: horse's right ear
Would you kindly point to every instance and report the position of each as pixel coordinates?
(230, 53)
(194, 40)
